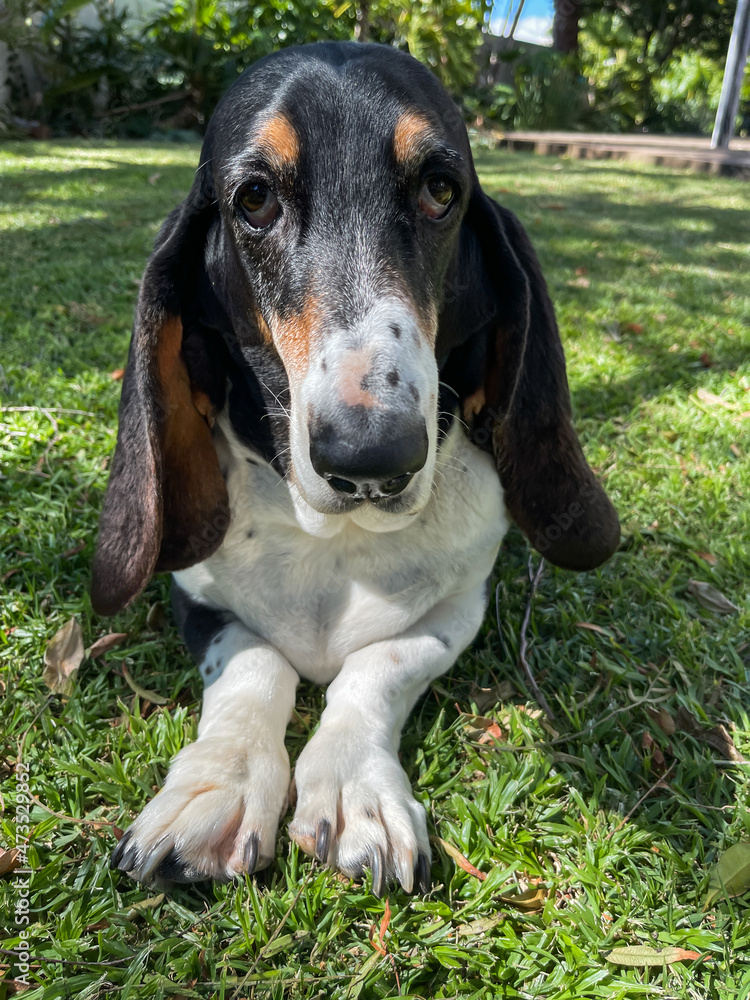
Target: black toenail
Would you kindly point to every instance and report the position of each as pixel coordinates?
(423, 882)
(114, 861)
(251, 853)
(323, 840)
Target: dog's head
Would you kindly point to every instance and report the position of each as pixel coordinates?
(338, 279)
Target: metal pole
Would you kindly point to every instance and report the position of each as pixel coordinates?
(517, 18)
(739, 45)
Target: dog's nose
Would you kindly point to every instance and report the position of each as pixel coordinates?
(374, 469)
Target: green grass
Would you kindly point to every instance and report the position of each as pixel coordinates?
(656, 327)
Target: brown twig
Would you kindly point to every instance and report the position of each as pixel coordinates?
(534, 578)
(72, 819)
(127, 108)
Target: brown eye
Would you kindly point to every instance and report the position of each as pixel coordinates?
(436, 197)
(260, 205)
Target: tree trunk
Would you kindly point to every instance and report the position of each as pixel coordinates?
(362, 27)
(565, 26)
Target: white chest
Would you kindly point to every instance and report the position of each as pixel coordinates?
(317, 599)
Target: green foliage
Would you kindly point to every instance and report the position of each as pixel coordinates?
(184, 57)
(205, 44)
(443, 34)
(547, 93)
(654, 65)
(73, 72)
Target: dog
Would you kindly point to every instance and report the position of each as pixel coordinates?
(345, 379)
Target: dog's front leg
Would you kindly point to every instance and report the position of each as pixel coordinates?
(219, 810)
(355, 807)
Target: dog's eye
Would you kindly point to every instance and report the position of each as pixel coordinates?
(260, 205)
(436, 197)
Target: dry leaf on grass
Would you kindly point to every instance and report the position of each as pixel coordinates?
(74, 550)
(638, 955)
(709, 397)
(142, 692)
(105, 643)
(485, 697)
(100, 925)
(156, 617)
(530, 901)
(731, 876)
(145, 904)
(15, 987)
(461, 861)
(9, 861)
(600, 630)
(707, 557)
(379, 944)
(717, 738)
(63, 657)
(480, 926)
(711, 598)
(663, 720)
(481, 729)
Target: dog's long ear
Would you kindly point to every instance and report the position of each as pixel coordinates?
(520, 404)
(166, 504)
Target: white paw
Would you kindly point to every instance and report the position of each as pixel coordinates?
(216, 816)
(355, 810)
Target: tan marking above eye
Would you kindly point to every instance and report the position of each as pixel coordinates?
(412, 129)
(279, 140)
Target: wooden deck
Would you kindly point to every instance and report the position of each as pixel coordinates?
(682, 152)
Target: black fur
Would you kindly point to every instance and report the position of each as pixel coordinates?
(198, 624)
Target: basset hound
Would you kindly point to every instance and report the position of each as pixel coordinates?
(345, 378)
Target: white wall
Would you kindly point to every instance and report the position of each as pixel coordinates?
(136, 8)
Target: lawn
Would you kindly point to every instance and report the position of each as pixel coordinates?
(620, 807)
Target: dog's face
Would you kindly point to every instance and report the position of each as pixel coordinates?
(337, 280)
(341, 200)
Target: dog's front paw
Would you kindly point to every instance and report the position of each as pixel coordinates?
(355, 810)
(216, 816)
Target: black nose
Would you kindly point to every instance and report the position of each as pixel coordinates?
(379, 466)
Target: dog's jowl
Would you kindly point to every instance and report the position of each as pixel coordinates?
(345, 379)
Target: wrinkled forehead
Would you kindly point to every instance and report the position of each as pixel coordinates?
(337, 121)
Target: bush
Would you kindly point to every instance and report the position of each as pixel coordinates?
(547, 94)
(635, 84)
(71, 76)
(122, 78)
